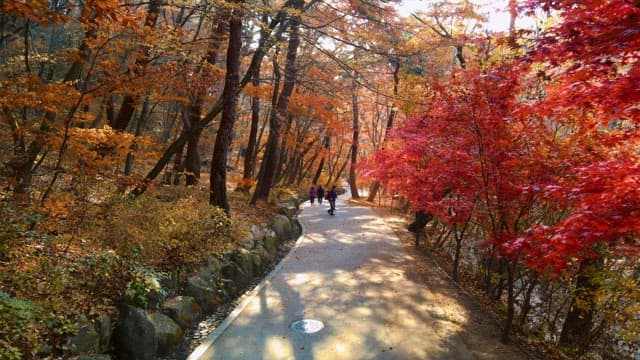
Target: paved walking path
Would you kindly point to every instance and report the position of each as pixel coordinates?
(349, 272)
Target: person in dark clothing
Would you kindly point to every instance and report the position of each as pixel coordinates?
(312, 194)
(421, 221)
(320, 193)
(332, 195)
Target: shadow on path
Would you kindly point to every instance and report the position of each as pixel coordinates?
(350, 272)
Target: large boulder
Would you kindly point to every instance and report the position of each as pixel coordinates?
(135, 336)
(270, 244)
(205, 292)
(282, 227)
(242, 258)
(184, 310)
(261, 259)
(168, 333)
(236, 278)
(296, 229)
(86, 340)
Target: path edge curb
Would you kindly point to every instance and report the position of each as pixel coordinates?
(208, 342)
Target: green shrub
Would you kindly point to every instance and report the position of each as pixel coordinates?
(144, 281)
(20, 327)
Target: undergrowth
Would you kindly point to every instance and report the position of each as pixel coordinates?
(83, 256)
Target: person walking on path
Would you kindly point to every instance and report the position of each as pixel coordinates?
(332, 195)
(320, 193)
(312, 194)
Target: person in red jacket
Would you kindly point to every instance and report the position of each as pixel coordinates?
(312, 194)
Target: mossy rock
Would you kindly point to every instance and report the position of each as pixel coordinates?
(135, 335)
(168, 333)
(203, 291)
(271, 245)
(281, 225)
(242, 258)
(184, 310)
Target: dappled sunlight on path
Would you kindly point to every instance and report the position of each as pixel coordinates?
(350, 272)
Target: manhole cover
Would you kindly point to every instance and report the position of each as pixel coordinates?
(307, 326)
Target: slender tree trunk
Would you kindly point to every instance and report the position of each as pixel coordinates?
(285, 149)
(375, 187)
(178, 162)
(459, 238)
(218, 194)
(510, 304)
(456, 258)
(109, 109)
(332, 162)
(344, 166)
(192, 159)
(277, 76)
(250, 153)
(130, 102)
(306, 167)
(354, 144)
(327, 144)
(578, 324)
(128, 166)
(268, 171)
(299, 169)
(526, 304)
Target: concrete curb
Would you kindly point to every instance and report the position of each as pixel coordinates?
(208, 342)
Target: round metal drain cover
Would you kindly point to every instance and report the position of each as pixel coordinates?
(307, 326)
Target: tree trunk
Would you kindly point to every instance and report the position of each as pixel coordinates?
(354, 144)
(578, 324)
(375, 187)
(178, 163)
(128, 166)
(508, 323)
(526, 303)
(192, 159)
(327, 144)
(341, 170)
(250, 153)
(130, 102)
(306, 167)
(285, 149)
(218, 194)
(270, 161)
(333, 161)
(459, 238)
(456, 258)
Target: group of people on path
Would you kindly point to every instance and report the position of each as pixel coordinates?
(320, 194)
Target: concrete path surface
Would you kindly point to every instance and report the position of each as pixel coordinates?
(350, 272)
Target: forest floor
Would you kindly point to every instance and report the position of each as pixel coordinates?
(481, 331)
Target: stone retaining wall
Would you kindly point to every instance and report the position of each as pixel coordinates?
(146, 334)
